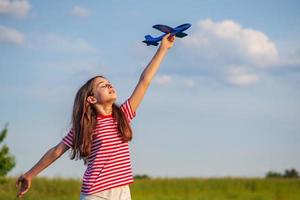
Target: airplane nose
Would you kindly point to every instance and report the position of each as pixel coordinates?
(187, 26)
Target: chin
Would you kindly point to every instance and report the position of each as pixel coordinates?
(114, 98)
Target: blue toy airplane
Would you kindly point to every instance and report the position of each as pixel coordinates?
(177, 31)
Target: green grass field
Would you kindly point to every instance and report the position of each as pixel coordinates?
(167, 189)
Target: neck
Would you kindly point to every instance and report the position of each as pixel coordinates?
(103, 109)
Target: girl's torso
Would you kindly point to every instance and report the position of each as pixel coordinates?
(109, 164)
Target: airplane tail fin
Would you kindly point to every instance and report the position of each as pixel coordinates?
(149, 40)
(181, 35)
(148, 37)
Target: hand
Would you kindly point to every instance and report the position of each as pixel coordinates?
(25, 182)
(167, 41)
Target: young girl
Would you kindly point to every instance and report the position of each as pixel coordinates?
(100, 134)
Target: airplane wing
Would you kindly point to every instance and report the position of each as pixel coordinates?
(163, 28)
(180, 35)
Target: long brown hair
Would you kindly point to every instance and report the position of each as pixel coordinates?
(84, 121)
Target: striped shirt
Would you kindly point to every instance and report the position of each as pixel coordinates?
(108, 165)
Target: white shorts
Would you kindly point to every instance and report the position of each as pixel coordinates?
(118, 193)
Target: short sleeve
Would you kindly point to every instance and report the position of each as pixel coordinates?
(127, 110)
(68, 139)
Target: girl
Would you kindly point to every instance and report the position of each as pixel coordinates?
(100, 134)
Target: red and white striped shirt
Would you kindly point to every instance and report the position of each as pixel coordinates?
(109, 164)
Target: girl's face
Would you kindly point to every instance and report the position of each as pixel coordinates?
(103, 91)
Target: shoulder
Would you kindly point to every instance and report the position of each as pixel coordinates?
(127, 110)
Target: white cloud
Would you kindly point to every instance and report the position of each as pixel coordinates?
(16, 8)
(163, 79)
(239, 76)
(229, 41)
(12, 36)
(59, 43)
(227, 51)
(80, 12)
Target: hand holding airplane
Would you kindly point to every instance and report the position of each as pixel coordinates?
(177, 31)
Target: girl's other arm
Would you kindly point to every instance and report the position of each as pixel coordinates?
(149, 72)
(25, 180)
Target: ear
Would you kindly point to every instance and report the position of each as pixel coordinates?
(91, 99)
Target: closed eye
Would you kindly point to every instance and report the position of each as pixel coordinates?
(102, 84)
(107, 85)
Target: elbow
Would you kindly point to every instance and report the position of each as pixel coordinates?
(145, 80)
(56, 152)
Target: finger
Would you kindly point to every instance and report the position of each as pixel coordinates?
(18, 182)
(22, 192)
(167, 35)
(19, 194)
(171, 38)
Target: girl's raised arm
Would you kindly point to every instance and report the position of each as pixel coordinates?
(149, 72)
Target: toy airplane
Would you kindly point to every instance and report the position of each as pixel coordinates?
(177, 31)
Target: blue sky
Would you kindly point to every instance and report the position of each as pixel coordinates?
(225, 102)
